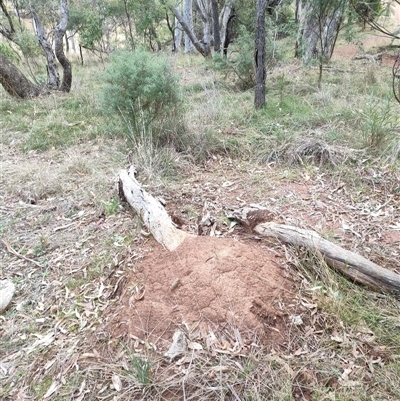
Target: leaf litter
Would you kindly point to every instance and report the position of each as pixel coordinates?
(72, 326)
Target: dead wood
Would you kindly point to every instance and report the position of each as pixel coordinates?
(153, 214)
(352, 265)
(369, 57)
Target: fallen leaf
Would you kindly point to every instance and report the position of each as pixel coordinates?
(345, 374)
(178, 345)
(52, 389)
(338, 339)
(116, 381)
(195, 346)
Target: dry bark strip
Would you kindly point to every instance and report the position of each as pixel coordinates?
(352, 265)
(153, 214)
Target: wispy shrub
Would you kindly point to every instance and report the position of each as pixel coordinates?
(143, 90)
(378, 121)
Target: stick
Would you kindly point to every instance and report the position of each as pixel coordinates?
(18, 255)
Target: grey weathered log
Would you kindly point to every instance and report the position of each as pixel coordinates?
(153, 214)
(370, 57)
(7, 289)
(352, 265)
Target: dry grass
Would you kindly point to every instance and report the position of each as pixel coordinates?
(59, 208)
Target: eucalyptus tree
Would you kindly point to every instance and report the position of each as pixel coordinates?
(370, 12)
(259, 54)
(11, 78)
(15, 82)
(215, 24)
(319, 24)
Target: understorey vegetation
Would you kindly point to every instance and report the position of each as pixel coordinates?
(322, 154)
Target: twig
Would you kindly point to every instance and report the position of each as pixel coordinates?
(234, 393)
(18, 255)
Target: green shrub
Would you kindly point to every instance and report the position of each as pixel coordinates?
(378, 120)
(142, 89)
(8, 52)
(238, 66)
(28, 44)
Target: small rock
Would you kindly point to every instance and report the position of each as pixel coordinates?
(178, 346)
(296, 320)
(7, 289)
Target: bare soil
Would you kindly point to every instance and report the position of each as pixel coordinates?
(100, 282)
(207, 283)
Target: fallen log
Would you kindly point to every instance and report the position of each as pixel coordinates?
(352, 265)
(369, 57)
(153, 214)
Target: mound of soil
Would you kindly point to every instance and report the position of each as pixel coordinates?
(207, 283)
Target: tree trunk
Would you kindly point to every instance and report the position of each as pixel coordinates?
(187, 15)
(53, 77)
(204, 9)
(14, 82)
(225, 18)
(319, 24)
(352, 265)
(59, 50)
(215, 16)
(10, 31)
(200, 47)
(128, 16)
(177, 36)
(259, 56)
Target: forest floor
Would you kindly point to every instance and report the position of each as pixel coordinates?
(98, 300)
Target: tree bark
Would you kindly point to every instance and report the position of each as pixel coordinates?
(177, 36)
(259, 55)
(215, 16)
(10, 31)
(204, 9)
(188, 20)
(150, 210)
(53, 77)
(319, 24)
(128, 17)
(202, 49)
(352, 265)
(14, 82)
(59, 50)
(225, 19)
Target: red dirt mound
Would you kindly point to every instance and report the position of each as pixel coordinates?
(206, 283)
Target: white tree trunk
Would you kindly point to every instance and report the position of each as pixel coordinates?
(200, 47)
(224, 19)
(319, 24)
(204, 8)
(177, 35)
(71, 41)
(53, 77)
(59, 33)
(187, 15)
